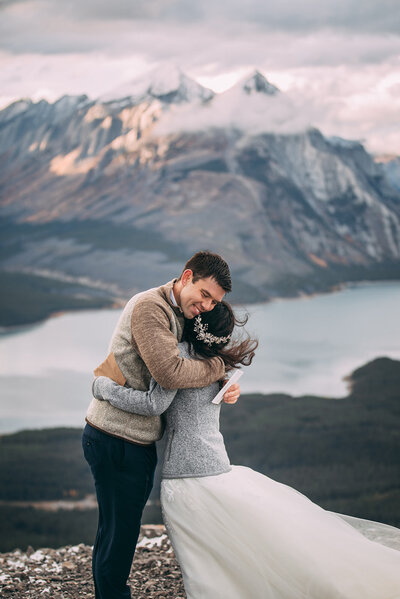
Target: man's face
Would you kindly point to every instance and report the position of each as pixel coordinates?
(199, 297)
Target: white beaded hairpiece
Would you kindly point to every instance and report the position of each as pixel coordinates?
(207, 338)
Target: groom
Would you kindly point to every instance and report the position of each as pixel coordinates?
(119, 446)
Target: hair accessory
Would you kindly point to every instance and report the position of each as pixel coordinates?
(207, 338)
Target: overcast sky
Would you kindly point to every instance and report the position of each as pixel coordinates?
(341, 57)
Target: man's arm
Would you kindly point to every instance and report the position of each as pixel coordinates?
(147, 403)
(158, 348)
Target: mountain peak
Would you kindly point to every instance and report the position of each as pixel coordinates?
(168, 84)
(172, 85)
(257, 83)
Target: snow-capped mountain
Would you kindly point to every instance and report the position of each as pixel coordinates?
(169, 85)
(98, 189)
(258, 84)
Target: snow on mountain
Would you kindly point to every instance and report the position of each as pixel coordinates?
(257, 83)
(168, 84)
(14, 109)
(253, 105)
(43, 110)
(289, 208)
(339, 142)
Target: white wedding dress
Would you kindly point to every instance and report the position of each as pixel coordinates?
(241, 535)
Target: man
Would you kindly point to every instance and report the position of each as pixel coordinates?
(119, 446)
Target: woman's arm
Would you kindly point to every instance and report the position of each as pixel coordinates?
(146, 403)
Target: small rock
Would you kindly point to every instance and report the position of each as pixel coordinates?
(155, 572)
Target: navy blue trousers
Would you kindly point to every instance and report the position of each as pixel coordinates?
(123, 473)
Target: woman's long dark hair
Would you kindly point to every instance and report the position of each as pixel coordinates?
(221, 322)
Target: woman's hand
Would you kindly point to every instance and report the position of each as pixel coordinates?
(232, 394)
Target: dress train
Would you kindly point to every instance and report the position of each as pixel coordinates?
(241, 535)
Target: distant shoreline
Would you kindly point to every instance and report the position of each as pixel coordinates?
(245, 397)
(118, 303)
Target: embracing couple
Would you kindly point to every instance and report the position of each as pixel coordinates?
(236, 533)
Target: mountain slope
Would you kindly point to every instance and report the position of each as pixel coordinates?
(98, 189)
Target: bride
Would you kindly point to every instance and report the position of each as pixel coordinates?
(238, 534)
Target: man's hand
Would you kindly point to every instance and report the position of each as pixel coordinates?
(232, 394)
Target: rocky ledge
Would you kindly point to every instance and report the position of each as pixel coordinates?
(65, 573)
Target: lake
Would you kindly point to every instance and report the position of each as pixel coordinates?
(306, 346)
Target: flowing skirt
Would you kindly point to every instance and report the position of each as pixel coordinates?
(241, 535)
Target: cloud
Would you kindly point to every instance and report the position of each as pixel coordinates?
(369, 117)
(203, 45)
(51, 76)
(342, 56)
(373, 16)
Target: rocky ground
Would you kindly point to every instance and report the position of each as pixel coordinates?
(65, 573)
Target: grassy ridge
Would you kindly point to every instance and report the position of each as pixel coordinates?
(23, 526)
(344, 454)
(43, 465)
(28, 298)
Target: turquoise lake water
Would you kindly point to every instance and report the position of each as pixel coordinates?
(306, 346)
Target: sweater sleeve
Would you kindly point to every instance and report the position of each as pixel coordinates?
(146, 403)
(158, 348)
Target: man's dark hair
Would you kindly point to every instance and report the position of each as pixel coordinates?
(204, 264)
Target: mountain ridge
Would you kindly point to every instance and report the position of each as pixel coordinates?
(291, 210)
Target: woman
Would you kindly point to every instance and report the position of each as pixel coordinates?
(236, 533)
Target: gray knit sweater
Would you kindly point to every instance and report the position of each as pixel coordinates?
(195, 446)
